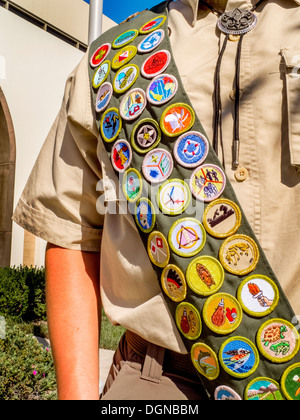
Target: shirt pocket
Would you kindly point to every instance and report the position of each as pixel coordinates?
(291, 58)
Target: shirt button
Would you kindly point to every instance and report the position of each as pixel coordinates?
(241, 174)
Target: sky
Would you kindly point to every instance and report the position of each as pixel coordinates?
(119, 10)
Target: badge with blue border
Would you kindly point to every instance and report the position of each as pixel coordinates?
(258, 295)
(145, 216)
(145, 136)
(173, 196)
(278, 340)
(191, 149)
(156, 64)
(290, 382)
(125, 78)
(205, 361)
(101, 74)
(162, 89)
(153, 24)
(205, 275)
(133, 104)
(187, 237)
(158, 249)
(263, 389)
(100, 55)
(152, 41)
(157, 165)
(177, 119)
(121, 155)
(123, 56)
(239, 357)
(132, 185)
(173, 283)
(207, 182)
(188, 321)
(225, 393)
(110, 125)
(222, 218)
(125, 38)
(103, 97)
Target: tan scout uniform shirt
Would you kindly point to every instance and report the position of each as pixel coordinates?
(64, 197)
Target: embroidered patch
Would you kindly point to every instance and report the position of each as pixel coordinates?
(145, 136)
(239, 254)
(125, 78)
(103, 97)
(222, 313)
(222, 218)
(132, 185)
(205, 361)
(239, 357)
(110, 125)
(133, 104)
(173, 197)
(278, 340)
(290, 382)
(162, 89)
(156, 64)
(187, 237)
(188, 320)
(258, 295)
(153, 24)
(152, 41)
(123, 56)
(100, 55)
(157, 165)
(205, 275)
(207, 182)
(158, 249)
(177, 119)
(191, 149)
(125, 38)
(263, 389)
(145, 215)
(121, 155)
(224, 393)
(101, 74)
(173, 283)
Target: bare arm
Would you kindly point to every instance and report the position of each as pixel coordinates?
(74, 315)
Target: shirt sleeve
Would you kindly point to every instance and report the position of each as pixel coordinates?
(58, 203)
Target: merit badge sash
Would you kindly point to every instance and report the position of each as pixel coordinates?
(227, 303)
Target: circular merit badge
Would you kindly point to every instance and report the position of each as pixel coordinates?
(153, 24)
(177, 119)
(133, 104)
(145, 136)
(100, 55)
(263, 389)
(207, 182)
(123, 56)
(173, 197)
(191, 149)
(156, 64)
(157, 165)
(239, 254)
(278, 340)
(222, 313)
(110, 125)
(224, 393)
(158, 249)
(239, 357)
(103, 96)
(101, 74)
(222, 218)
(162, 89)
(290, 382)
(187, 237)
(205, 275)
(125, 78)
(145, 215)
(132, 185)
(258, 295)
(205, 361)
(125, 38)
(152, 41)
(188, 320)
(173, 283)
(121, 155)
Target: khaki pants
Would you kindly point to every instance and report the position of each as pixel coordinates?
(134, 377)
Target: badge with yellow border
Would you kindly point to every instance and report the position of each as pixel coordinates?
(222, 218)
(222, 313)
(263, 389)
(290, 382)
(205, 275)
(173, 283)
(145, 136)
(173, 196)
(158, 249)
(278, 340)
(101, 74)
(145, 216)
(177, 119)
(239, 254)
(187, 237)
(125, 38)
(153, 24)
(125, 78)
(205, 361)
(123, 56)
(188, 321)
(132, 185)
(207, 182)
(110, 125)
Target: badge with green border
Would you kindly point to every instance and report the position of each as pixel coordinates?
(263, 389)
(173, 283)
(125, 78)
(187, 237)
(205, 361)
(222, 218)
(205, 275)
(145, 216)
(290, 382)
(125, 38)
(123, 56)
(188, 321)
(101, 74)
(110, 125)
(173, 197)
(158, 249)
(153, 24)
(145, 136)
(132, 185)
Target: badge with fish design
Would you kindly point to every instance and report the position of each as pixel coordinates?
(205, 275)
(205, 361)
